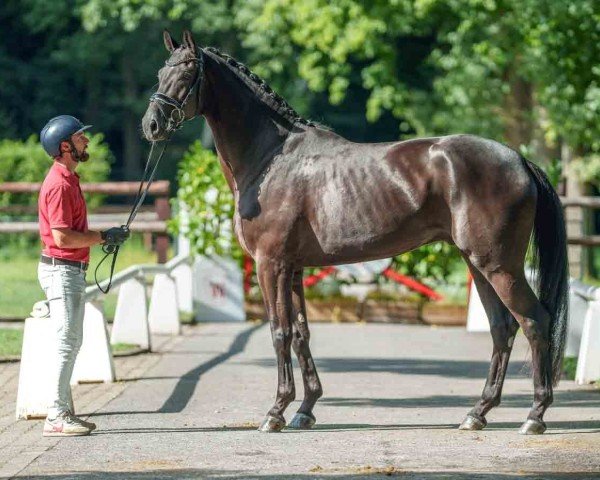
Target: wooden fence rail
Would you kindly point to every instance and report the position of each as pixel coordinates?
(143, 223)
(591, 203)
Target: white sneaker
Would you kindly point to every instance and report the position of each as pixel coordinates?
(66, 425)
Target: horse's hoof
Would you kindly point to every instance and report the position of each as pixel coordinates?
(532, 427)
(301, 421)
(473, 423)
(272, 424)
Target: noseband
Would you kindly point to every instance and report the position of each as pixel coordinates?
(177, 115)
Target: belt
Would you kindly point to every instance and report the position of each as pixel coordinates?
(62, 261)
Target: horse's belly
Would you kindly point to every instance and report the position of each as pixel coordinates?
(363, 219)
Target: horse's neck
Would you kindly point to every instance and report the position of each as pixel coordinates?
(245, 135)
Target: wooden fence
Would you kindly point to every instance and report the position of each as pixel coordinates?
(150, 220)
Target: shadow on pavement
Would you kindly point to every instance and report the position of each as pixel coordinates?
(186, 385)
(183, 391)
(407, 366)
(317, 473)
(592, 426)
(571, 398)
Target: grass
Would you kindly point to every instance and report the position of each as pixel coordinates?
(570, 367)
(11, 340)
(19, 284)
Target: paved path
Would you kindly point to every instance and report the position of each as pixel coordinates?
(394, 395)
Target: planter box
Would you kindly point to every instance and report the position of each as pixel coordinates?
(447, 315)
(350, 310)
(391, 311)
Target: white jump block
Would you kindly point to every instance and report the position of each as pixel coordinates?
(164, 311)
(362, 272)
(218, 290)
(477, 320)
(131, 316)
(183, 280)
(36, 369)
(94, 362)
(588, 363)
(578, 308)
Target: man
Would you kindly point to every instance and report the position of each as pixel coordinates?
(64, 261)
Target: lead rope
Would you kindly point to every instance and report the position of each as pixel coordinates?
(137, 203)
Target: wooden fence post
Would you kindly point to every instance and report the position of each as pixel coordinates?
(163, 211)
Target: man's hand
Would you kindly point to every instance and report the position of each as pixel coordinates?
(115, 235)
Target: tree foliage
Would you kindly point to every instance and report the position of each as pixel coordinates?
(525, 72)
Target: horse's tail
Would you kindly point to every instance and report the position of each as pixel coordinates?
(551, 264)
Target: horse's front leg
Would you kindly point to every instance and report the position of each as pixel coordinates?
(304, 418)
(275, 280)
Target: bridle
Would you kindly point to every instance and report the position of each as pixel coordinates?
(176, 117)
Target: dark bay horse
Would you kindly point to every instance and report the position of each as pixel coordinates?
(305, 196)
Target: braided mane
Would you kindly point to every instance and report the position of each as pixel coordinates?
(260, 87)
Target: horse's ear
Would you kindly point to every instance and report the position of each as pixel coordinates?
(188, 40)
(170, 43)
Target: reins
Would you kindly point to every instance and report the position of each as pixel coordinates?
(137, 203)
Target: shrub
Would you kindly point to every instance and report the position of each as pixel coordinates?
(208, 202)
(26, 161)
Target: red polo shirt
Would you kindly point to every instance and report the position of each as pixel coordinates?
(61, 205)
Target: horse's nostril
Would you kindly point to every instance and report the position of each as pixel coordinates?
(153, 126)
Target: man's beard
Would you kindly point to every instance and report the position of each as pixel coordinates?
(84, 156)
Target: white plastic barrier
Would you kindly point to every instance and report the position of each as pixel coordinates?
(218, 291)
(94, 361)
(578, 308)
(362, 272)
(164, 312)
(588, 361)
(477, 320)
(131, 316)
(182, 274)
(35, 372)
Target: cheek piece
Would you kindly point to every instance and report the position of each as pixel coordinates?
(176, 116)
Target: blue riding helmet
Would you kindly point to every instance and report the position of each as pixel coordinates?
(59, 129)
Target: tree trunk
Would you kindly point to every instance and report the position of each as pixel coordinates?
(518, 108)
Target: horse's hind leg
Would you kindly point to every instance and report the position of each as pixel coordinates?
(304, 418)
(503, 327)
(515, 292)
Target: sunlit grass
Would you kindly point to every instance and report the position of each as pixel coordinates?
(19, 287)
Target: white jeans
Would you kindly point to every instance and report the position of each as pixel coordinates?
(64, 287)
